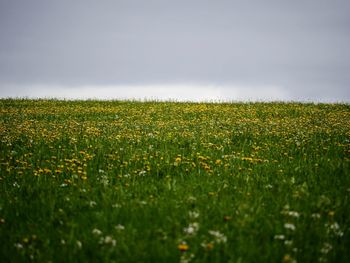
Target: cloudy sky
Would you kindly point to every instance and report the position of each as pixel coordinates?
(180, 49)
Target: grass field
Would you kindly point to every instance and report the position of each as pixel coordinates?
(123, 181)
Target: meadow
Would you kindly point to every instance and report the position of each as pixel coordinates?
(130, 181)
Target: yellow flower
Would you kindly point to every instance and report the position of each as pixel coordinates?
(218, 162)
(183, 247)
(287, 258)
(209, 246)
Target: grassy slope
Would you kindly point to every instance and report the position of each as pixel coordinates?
(131, 181)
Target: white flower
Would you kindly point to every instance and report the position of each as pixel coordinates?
(288, 242)
(291, 213)
(315, 216)
(119, 227)
(18, 246)
(193, 214)
(191, 199)
(219, 237)
(96, 232)
(334, 226)
(336, 229)
(108, 240)
(79, 244)
(192, 228)
(142, 173)
(289, 226)
(92, 203)
(104, 180)
(326, 248)
(185, 258)
(279, 237)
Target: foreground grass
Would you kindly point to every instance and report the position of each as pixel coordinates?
(174, 182)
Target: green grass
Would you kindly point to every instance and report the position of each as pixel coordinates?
(123, 181)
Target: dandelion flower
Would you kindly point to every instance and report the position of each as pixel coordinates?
(183, 247)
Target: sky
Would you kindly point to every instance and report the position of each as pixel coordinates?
(198, 50)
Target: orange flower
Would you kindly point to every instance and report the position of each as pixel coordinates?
(183, 247)
(209, 246)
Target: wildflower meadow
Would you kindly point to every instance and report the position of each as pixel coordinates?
(132, 181)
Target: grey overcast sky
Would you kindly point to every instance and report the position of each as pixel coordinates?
(180, 49)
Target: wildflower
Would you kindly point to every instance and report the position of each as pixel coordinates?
(142, 173)
(185, 258)
(119, 227)
(207, 246)
(291, 213)
(183, 247)
(279, 237)
(218, 162)
(178, 159)
(193, 214)
(192, 228)
(92, 203)
(289, 226)
(79, 244)
(96, 232)
(288, 242)
(315, 216)
(219, 237)
(335, 229)
(210, 246)
(334, 226)
(108, 240)
(18, 246)
(326, 248)
(227, 218)
(104, 180)
(191, 199)
(287, 258)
